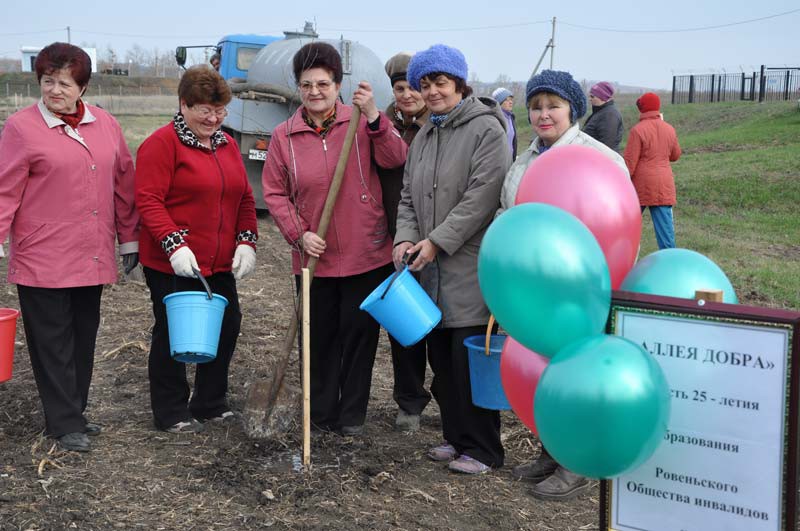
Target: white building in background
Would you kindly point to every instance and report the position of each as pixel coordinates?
(29, 54)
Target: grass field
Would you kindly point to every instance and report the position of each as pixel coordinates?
(738, 186)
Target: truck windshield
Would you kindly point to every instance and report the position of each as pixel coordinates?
(244, 57)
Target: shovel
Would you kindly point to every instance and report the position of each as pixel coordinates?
(272, 407)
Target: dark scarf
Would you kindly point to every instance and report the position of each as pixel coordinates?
(188, 138)
(74, 118)
(321, 130)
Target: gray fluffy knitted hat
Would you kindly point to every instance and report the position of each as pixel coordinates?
(561, 84)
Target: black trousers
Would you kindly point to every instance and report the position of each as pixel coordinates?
(61, 330)
(409, 366)
(169, 388)
(343, 344)
(472, 430)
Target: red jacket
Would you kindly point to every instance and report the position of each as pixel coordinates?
(66, 195)
(296, 178)
(182, 188)
(652, 145)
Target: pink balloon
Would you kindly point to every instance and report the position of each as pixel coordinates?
(520, 370)
(590, 186)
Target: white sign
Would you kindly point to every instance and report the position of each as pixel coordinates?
(720, 466)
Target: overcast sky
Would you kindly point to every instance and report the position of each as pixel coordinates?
(630, 42)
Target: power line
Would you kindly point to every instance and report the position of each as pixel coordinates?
(683, 30)
(437, 30)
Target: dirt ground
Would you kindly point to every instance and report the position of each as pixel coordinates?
(138, 478)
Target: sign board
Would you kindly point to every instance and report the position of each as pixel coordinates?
(729, 458)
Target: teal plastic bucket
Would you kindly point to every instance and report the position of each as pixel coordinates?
(405, 310)
(194, 322)
(484, 372)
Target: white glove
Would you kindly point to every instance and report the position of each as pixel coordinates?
(244, 261)
(183, 262)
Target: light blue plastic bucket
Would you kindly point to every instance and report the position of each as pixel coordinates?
(194, 322)
(484, 372)
(406, 311)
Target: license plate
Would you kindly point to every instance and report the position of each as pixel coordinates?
(258, 154)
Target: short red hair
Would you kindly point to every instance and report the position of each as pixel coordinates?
(60, 55)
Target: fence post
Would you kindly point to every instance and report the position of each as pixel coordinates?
(762, 86)
(711, 95)
(741, 93)
(673, 90)
(691, 89)
(786, 89)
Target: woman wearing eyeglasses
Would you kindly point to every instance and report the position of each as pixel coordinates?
(356, 254)
(198, 212)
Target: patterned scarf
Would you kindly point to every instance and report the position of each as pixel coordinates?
(188, 138)
(75, 118)
(322, 130)
(438, 119)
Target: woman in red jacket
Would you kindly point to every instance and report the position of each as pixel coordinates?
(652, 145)
(357, 252)
(199, 214)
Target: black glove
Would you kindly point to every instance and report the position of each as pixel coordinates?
(129, 262)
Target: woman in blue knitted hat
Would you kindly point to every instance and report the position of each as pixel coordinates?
(451, 189)
(555, 104)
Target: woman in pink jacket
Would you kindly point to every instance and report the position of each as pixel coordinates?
(357, 252)
(652, 145)
(66, 196)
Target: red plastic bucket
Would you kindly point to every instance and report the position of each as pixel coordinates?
(8, 331)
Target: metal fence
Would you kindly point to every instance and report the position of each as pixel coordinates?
(31, 90)
(769, 84)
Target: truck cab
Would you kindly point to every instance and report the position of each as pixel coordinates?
(238, 51)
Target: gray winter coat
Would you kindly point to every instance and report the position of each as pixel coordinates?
(451, 190)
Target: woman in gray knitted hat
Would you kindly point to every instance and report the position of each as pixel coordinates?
(555, 104)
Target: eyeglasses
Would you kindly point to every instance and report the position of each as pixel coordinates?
(206, 113)
(322, 86)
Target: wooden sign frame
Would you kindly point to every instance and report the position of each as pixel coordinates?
(626, 304)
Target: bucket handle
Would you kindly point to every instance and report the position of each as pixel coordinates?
(203, 281)
(489, 334)
(406, 259)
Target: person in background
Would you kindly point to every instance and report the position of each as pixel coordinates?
(555, 103)
(605, 122)
(66, 195)
(451, 191)
(505, 98)
(651, 146)
(215, 61)
(356, 255)
(408, 114)
(200, 218)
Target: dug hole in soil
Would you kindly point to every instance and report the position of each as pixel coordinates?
(138, 478)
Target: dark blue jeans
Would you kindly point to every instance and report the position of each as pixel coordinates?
(663, 225)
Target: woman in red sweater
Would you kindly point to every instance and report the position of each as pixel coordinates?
(199, 214)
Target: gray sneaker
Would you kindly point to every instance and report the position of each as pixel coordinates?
(562, 485)
(74, 442)
(406, 421)
(536, 471)
(185, 426)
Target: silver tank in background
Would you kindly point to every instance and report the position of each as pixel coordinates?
(270, 95)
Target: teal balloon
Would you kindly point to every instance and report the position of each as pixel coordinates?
(678, 273)
(544, 277)
(602, 406)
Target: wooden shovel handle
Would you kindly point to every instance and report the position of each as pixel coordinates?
(489, 334)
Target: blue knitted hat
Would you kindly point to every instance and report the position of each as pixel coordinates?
(561, 84)
(437, 58)
(502, 94)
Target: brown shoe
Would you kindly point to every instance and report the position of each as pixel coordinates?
(562, 485)
(536, 471)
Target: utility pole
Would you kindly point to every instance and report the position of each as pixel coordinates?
(552, 43)
(69, 37)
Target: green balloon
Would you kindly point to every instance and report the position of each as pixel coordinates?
(678, 273)
(602, 406)
(544, 277)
